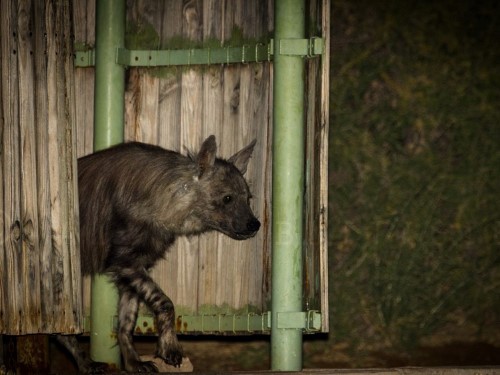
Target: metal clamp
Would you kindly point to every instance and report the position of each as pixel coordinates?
(309, 321)
(301, 47)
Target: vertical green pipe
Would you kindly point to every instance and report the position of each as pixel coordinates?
(108, 130)
(288, 187)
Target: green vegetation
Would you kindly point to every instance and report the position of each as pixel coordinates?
(414, 173)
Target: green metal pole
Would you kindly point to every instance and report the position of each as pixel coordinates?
(108, 130)
(288, 188)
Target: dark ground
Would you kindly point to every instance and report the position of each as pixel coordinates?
(237, 354)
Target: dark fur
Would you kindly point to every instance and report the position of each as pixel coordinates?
(135, 199)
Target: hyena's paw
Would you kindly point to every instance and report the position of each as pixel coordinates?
(140, 366)
(170, 351)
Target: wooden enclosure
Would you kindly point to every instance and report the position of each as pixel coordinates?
(177, 107)
(174, 107)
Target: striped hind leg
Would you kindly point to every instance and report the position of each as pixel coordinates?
(139, 283)
(127, 317)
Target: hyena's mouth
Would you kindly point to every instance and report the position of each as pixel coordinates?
(252, 227)
(242, 236)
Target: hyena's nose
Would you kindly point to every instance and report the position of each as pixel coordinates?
(253, 225)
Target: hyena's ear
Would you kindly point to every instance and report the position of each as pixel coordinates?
(241, 158)
(206, 156)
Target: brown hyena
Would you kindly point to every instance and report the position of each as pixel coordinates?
(135, 200)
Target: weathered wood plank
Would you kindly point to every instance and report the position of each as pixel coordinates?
(48, 316)
(41, 258)
(10, 276)
(212, 116)
(264, 159)
(324, 124)
(29, 259)
(254, 123)
(169, 116)
(84, 29)
(229, 254)
(141, 121)
(259, 178)
(69, 176)
(316, 226)
(3, 297)
(169, 135)
(191, 138)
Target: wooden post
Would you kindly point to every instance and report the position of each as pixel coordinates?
(40, 278)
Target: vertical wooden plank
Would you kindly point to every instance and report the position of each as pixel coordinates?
(84, 28)
(212, 124)
(191, 137)
(167, 271)
(323, 136)
(39, 185)
(316, 262)
(169, 134)
(141, 120)
(48, 317)
(56, 147)
(30, 261)
(11, 285)
(259, 177)
(228, 252)
(10, 166)
(254, 123)
(3, 296)
(240, 264)
(260, 168)
(73, 311)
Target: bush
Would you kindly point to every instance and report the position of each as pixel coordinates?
(415, 172)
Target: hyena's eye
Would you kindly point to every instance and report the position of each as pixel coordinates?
(227, 199)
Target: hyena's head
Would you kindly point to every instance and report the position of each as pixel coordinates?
(224, 195)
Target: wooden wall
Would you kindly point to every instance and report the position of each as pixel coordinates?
(178, 107)
(46, 104)
(40, 283)
(316, 189)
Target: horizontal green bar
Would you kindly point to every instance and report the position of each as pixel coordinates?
(206, 56)
(217, 323)
(309, 322)
(195, 56)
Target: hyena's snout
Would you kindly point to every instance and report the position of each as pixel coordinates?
(243, 226)
(248, 229)
(253, 225)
